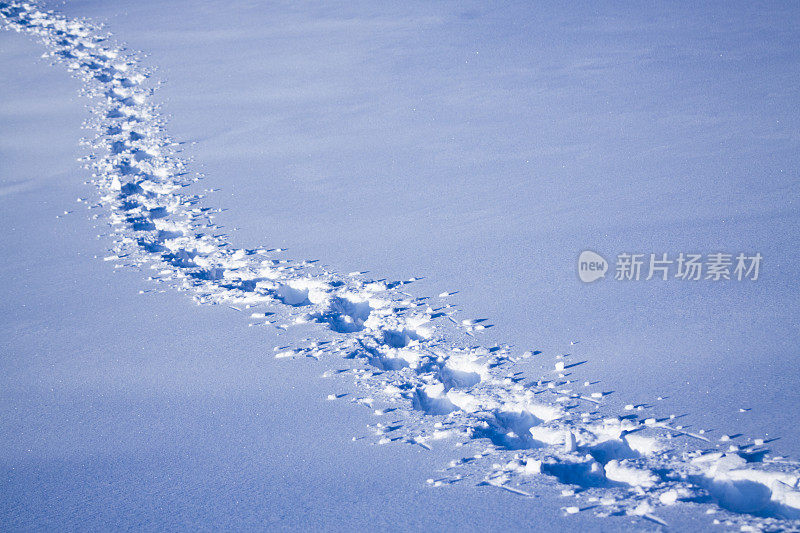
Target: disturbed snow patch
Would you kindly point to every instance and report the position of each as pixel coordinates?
(411, 360)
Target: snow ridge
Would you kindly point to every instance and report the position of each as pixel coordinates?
(408, 354)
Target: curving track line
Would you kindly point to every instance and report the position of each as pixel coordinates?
(409, 354)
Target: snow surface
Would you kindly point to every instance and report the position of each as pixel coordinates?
(359, 137)
(394, 147)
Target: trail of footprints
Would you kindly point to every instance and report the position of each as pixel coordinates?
(414, 363)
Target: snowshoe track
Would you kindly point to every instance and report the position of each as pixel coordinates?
(413, 359)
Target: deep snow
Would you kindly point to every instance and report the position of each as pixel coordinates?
(123, 410)
(484, 148)
(750, 355)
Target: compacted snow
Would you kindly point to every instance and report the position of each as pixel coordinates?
(364, 136)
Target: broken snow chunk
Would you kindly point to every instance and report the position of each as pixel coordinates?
(617, 471)
(669, 497)
(532, 466)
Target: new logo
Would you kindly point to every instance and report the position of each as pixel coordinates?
(591, 266)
